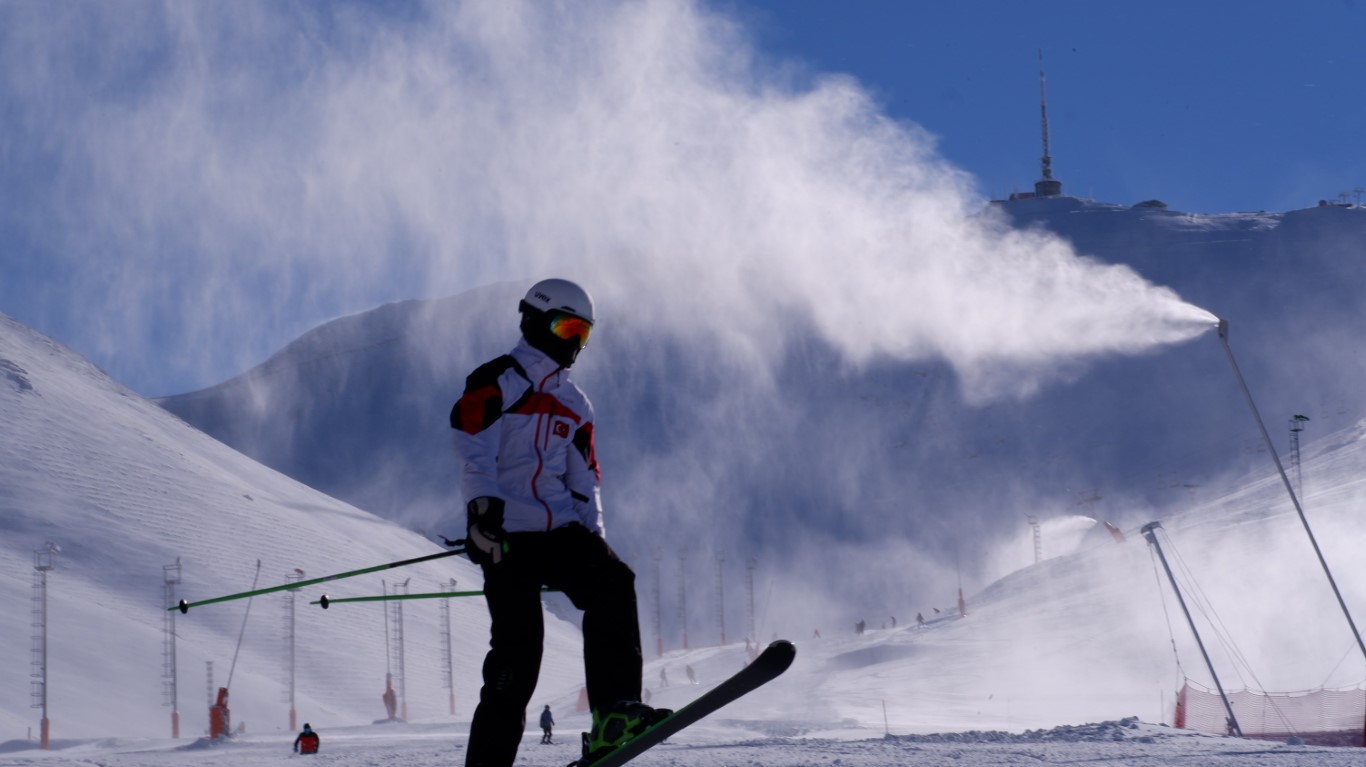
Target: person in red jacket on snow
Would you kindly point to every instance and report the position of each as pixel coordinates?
(529, 476)
(307, 742)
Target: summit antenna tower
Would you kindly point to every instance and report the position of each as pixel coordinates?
(1046, 186)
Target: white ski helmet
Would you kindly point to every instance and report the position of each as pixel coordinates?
(560, 295)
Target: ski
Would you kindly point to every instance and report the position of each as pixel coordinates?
(770, 664)
(184, 606)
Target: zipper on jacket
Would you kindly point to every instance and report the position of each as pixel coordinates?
(540, 455)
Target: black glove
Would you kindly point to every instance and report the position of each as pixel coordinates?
(485, 538)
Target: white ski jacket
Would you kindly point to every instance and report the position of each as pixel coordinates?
(524, 433)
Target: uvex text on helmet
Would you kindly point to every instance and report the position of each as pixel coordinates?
(560, 295)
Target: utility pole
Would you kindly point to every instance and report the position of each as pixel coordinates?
(294, 577)
(1151, 536)
(44, 559)
(170, 576)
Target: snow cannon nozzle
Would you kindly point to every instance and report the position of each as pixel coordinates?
(324, 601)
(184, 607)
(1223, 328)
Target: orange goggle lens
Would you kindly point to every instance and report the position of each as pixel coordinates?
(567, 326)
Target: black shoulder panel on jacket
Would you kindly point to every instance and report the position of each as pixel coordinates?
(482, 403)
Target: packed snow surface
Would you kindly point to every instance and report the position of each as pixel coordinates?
(730, 744)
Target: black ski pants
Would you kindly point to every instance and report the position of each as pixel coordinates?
(573, 560)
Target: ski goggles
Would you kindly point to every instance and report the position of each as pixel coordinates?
(567, 327)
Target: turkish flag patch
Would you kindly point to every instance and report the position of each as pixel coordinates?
(562, 430)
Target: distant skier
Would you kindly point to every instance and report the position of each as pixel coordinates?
(307, 742)
(547, 722)
(529, 477)
(390, 697)
(692, 675)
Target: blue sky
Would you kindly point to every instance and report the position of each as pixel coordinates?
(1211, 106)
(185, 188)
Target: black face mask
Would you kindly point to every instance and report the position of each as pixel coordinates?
(536, 331)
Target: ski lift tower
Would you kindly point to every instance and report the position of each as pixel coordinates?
(44, 559)
(170, 578)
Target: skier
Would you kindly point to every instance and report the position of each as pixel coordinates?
(390, 697)
(547, 721)
(529, 477)
(307, 742)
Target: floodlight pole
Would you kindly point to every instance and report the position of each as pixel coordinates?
(447, 656)
(398, 647)
(1271, 449)
(1151, 536)
(721, 595)
(683, 593)
(1038, 538)
(170, 577)
(290, 614)
(44, 559)
(659, 607)
(753, 631)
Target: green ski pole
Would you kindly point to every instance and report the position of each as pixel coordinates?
(327, 601)
(185, 606)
